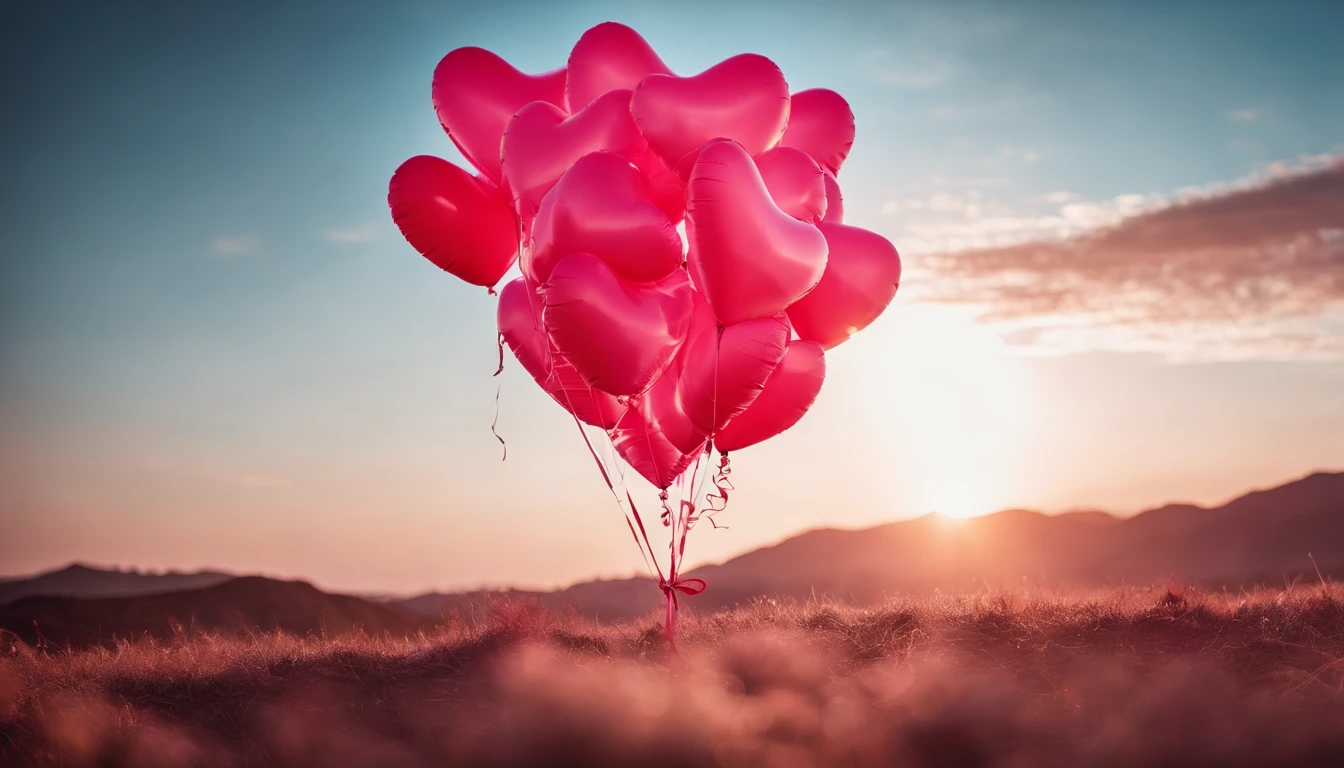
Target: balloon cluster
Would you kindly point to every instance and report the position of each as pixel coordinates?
(669, 346)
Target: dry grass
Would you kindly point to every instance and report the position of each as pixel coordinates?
(1133, 677)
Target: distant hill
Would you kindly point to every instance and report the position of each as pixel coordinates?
(78, 580)
(239, 605)
(1261, 536)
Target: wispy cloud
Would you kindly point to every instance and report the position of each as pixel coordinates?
(235, 245)
(361, 234)
(1251, 270)
(1245, 115)
(915, 72)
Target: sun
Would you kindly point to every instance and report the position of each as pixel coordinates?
(955, 407)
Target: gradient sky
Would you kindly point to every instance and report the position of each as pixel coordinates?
(216, 350)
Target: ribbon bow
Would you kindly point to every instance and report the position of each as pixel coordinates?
(670, 589)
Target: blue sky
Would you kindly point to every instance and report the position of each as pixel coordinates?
(215, 349)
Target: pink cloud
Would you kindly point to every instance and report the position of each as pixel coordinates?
(1251, 271)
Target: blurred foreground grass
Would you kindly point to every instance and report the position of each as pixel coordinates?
(1131, 677)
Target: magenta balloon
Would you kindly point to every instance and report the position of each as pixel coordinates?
(541, 143)
(601, 206)
(609, 57)
(722, 369)
(835, 202)
(476, 93)
(795, 182)
(861, 279)
(822, 125)
(464, 225)
(788, 394)
(655, 437)
(747, 257)
(519, 318)
(744, 98)
(618, 334)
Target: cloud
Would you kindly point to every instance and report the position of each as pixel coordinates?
(362, 234)
(236, 245)
(1252, 270)
(1245, 115)
(917, 72)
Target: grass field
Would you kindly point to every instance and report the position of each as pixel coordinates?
(1134, 677)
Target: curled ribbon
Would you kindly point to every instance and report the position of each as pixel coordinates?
(717, 500)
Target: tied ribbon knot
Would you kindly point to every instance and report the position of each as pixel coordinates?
(670, 589)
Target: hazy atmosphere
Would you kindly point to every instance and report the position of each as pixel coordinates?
(217, 351)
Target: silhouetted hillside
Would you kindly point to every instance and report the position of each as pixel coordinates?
(237, 606)
(1262, 535)
(78, 580)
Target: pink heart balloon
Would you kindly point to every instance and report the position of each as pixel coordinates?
(861, 279)
(722, 369)
(476, 93)
(795, 182)
(788, 394)
(609, 57)
(541, 143)
(655, 437)
(835, 202)
(747, 257)
(519, 319)
(601, 206)
(464, 225)
(743, 98)
(619, 334)
(822, 125)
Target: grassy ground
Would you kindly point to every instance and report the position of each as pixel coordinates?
(1127, 678)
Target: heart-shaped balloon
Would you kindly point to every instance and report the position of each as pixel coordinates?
(743, 98)
(609, 57)
(795, 182)
(601, 206)
(747, 257)
(464, 225)
(618, 334)
(541, 143)
(655, 437)
(475, 95)
(519, 319)
(822, 125)
(835, 202)
(722, 369)
(862, 275)
(788, 394)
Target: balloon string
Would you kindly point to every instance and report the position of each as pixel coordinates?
(717, 500)
(494, 421)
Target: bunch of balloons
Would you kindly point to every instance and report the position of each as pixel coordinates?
(670, 346)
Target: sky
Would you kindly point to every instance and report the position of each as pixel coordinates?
(1122, 224)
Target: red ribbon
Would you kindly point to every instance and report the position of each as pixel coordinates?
(670, 589)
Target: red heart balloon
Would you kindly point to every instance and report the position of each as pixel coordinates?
(822, 125)
(655, 437)
(609, 57)
(747, 257)
(835, 202)
(601, 206)
(861, 279)
(519, 319)
(619, 334)
(795, 182)
(743, 98)
(476, 93)
(541, 143)
(788, 394)
(462, 224)
(722, 369)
